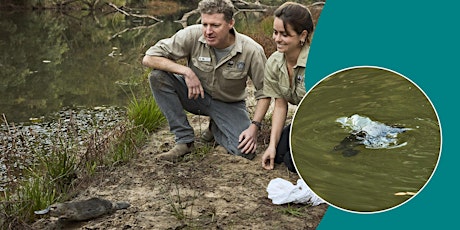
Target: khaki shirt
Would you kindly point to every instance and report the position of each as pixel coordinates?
(225, 80)
(276, 82)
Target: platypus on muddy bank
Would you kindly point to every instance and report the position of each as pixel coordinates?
(83, 210)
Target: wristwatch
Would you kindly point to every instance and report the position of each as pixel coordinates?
(258, 124)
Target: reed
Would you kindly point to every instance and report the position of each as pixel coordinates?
(127, 145)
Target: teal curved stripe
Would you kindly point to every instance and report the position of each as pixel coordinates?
(420, 40)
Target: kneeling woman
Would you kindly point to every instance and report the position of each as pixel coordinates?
(284, 76)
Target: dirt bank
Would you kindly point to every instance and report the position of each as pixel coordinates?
(205, 190)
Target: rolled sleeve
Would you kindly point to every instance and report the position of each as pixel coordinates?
(178, 46)
(271, 85)
(272, 76)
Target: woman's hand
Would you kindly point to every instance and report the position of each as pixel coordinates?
(268, 159)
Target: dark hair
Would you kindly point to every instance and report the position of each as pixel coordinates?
(217, 7)
(297, 16)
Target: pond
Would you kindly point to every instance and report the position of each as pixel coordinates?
(51, 60)
(363, 179)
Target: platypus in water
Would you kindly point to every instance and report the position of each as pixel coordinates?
(371, 134)
(347, 145)
(83, 210)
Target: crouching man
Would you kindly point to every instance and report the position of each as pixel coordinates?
(220, 61)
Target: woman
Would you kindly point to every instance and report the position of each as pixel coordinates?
(284, 76)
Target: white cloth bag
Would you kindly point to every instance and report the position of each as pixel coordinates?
(281, 191)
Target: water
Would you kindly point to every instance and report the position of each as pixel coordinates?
(60, 70)
(374, 179)
(21, 145)
(50, 60)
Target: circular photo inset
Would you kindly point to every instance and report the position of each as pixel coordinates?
(366, 139)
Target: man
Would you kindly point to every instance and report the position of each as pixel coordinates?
(220, 60)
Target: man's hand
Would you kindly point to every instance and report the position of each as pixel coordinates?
(248, 140)
(195, 89)
(268, 159)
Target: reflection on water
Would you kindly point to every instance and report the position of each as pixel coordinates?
(369, 180)
(50, 60)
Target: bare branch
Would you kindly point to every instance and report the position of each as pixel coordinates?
(240, 4)
(184, 19)
(245, 7)
(250, 10)
(134, 28)
(133, 15)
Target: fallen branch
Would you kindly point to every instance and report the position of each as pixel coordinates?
(240, 6)
(184, 19)
(134, 28)
(133, 15)
(249, 10)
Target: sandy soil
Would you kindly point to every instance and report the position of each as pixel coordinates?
(205, 190)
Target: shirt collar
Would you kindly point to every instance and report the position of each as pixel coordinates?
(238, 44)
(302, 59)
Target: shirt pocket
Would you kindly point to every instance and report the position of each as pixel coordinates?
(233, 80)
(233, 74)
(202, 66)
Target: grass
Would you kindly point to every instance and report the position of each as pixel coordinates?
(146, 113)
(294, 211)
(199, 152)
(178, 205)
(127, 145)
(58, 167)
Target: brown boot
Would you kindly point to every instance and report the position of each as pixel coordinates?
(175, 153)
(207, 135)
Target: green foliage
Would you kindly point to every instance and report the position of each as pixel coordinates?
(50, 178)
(60, 167)
(64, 4)
(36, 194)
(178, 205)
(54, 174)
(199, 152)
(90, 167)
(19, 205)
(293, 211)
(146, 113)
(126, 146)
(58, 43)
